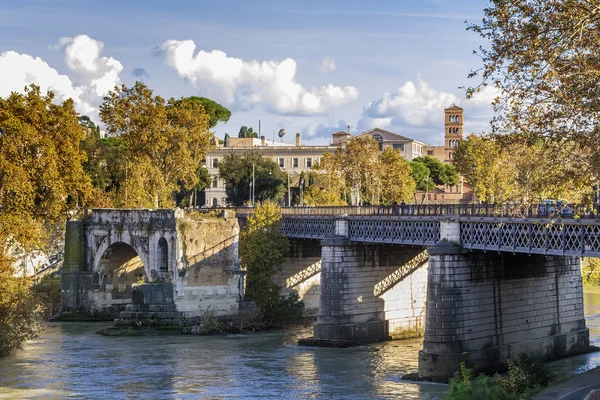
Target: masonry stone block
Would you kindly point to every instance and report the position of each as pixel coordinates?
(502, 304)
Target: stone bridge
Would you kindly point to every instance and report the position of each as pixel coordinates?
(113, 252)
(481, 288)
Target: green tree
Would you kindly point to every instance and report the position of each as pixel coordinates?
(215, 111)
(236, 171)
(246, 132)
(163, 143)
(440, 173)
(226, 139)
(262, 250)
(542, 57)
(421, 175)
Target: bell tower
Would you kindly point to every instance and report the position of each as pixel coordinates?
(453, 135)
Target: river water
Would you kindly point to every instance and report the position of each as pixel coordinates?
(71, 361)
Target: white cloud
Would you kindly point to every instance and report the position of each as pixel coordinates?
(320, 129)
(327, 65)
(417, 110)
(92, 76)
(246, 84)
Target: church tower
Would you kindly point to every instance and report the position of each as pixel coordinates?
(453, 135)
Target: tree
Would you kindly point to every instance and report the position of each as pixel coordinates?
(421, 175)
(246, 132)
(327, 186)
(515, 168)
(542, 57)
(164, 142)
(262, 250)
(360, 170)
(441, 174)
(216, 112)
(398, 183)
(226, 139)
(41, 180)
(236, 171)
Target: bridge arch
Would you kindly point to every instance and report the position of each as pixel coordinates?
(118, 266)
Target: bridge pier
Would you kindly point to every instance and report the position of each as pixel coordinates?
(486, 308)
(359, 302)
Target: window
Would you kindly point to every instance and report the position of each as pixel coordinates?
(215, 182)
(399, 146)
(215, 163)
(309, 162)
(295, 162)
(429, 152)
(379, 139)
(281, 162)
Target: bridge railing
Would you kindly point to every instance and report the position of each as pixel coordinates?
(461, 210)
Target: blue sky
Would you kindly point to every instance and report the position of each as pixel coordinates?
(262, 59)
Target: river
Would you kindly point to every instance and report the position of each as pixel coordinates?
(71, 361)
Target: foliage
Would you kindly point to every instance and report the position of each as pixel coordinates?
(246, 132)
(397, 182)
(464, 387)
(524, 374)
(526, 377)
(236, 170)
(542, 57)
(164, 143)
(47, 292)
(41, 174)
(590, 271)
(19, 311)
(327, 187)
(215, 111)
(439, 173)
(516, 168)
(374, 177)
(262, 250)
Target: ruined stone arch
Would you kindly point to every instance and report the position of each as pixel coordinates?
(117, 266)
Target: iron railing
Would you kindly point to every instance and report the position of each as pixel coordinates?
(460, 210)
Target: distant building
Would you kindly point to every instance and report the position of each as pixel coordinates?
(300, 158)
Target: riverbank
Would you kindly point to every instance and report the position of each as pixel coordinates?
(575, 388)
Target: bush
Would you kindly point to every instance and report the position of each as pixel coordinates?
(463, 387)
(47, 291)
(19, 312)
(525, 374)
(526, 377)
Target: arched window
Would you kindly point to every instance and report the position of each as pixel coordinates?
(163, 255)
(379, 139)
(215, 202)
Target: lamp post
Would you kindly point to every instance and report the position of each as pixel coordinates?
(289, 194)
(473, 169)
(427, 189)
(252, 187)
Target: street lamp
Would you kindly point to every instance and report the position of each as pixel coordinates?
(252, 187)
(473, 168)
(427, 189)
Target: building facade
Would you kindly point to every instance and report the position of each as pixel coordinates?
(298, 158)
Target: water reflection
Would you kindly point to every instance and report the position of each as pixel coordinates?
(72, 361)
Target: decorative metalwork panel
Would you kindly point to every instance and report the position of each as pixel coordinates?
(303, 275)
(401, 273)
(539, 237)
(308, 227)
(393, 230)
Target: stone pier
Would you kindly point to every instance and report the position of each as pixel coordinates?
(486, 308)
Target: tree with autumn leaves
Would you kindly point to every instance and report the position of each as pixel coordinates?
(42, 181)
(360, 170)
(520, 169)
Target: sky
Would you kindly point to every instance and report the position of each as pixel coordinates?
(311, 66)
